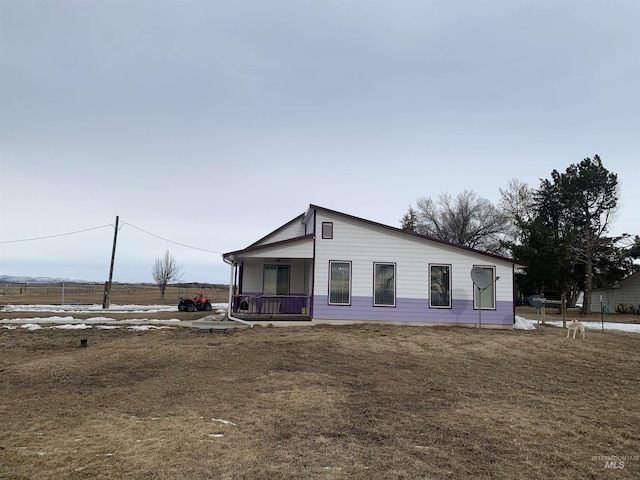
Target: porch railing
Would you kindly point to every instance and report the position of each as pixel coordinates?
(271, 305)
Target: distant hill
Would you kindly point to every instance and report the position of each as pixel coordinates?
(40, 280)
(56, 281)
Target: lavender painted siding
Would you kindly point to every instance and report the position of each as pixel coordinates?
(413, 310)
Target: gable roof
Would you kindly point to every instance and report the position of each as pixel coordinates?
(627, 282)
(267, 246)
(410, 233)
(277, 230)
(308, 215)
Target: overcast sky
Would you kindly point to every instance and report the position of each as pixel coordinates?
(211, 123)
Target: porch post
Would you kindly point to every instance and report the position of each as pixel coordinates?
(231, 286)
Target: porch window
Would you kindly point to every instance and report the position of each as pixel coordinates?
(339, 283)
(276, 280)
(384, 284)
(327, 230)
(440, 296)
(488, 294)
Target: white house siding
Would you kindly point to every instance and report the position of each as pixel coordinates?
(363, 244)
(289, 231)
(299, 249)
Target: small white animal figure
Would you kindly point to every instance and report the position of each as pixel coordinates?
(576, 326)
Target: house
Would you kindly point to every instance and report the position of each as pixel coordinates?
(328, 266)
(626, 291)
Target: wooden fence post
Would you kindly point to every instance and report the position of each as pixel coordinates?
(564, 310)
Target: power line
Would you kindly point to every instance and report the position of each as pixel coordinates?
(104, 226)
(54, 236)
(170, 241)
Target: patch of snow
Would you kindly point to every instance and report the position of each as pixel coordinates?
(623, 327)
(216, 435)
(99, 319)
(39, 319)
(75, 326)
(224, 422)
(31, 326)
(81, 308)
(148, 327)
(151, 320)
(523, 324)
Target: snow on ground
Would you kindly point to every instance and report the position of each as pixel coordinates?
(92, 320)
(82, 326)
(69, 322)
(521, 324)
(88, 308)
(104, 322)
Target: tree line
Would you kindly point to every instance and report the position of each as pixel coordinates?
(559, 229)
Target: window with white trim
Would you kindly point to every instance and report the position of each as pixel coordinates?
(339, 283)
(488, 298)
(440, 290)
(384, 284)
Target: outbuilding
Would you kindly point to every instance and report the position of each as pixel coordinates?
(625, 292)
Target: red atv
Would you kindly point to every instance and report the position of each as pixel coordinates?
(196, 303)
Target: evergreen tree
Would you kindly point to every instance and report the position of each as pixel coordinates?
(410, 220)
(575, 208)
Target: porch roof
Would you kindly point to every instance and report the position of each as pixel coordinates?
(298, 247)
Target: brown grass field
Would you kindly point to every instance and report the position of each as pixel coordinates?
(325, 402)
(121, 294)
(140, 294)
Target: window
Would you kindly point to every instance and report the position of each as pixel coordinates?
(339, 283)
(440, 296)
(384, 285)
(327, 230)
(276, 280)
(488, 296)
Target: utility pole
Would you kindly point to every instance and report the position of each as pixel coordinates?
(107, 286)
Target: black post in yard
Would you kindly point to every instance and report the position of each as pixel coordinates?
(601, 314)
(107, 294)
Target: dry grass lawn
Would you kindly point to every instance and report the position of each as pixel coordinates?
(357, 402)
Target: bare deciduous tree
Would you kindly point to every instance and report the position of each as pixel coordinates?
(166, 270)
(517, 201)
(467, 220)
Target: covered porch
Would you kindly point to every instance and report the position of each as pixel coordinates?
(272, 289)
(269, 283)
